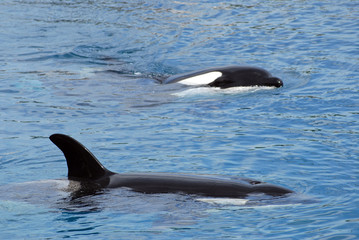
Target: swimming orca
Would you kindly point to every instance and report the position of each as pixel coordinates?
(84, 167)
(226, 77)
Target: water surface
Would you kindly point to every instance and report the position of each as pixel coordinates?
(89, 69)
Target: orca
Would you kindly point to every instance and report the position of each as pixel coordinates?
(227, 77)
(84, 167)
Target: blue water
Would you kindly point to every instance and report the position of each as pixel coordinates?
(88, 69)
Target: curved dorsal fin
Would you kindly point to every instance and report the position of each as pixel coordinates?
(81, 162)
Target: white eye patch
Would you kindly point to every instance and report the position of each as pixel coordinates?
(202, 79)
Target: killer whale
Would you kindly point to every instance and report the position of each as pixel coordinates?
(226, 77)
(83, 166)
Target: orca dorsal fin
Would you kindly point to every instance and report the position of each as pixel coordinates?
(81, 162)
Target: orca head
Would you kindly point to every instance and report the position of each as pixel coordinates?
(266, 188)
(245, 77)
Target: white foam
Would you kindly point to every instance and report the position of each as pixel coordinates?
(214, 90)
(61, 185)
(201, 79)
(224, 201)
(87, 72)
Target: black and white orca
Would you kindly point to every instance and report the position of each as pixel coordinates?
(85, 168)
(227, 77)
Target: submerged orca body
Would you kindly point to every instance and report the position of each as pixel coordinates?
(84, 167)
(226, 77)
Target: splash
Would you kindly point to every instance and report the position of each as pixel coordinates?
(216, 91)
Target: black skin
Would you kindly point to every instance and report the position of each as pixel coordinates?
(234, 76)
(84, 167)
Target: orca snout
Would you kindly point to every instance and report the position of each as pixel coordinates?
(271, 189)
(276, 82)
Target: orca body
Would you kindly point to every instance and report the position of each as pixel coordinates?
(227, 77)
(84, 167)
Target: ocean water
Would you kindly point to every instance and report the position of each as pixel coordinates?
(90, 69)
